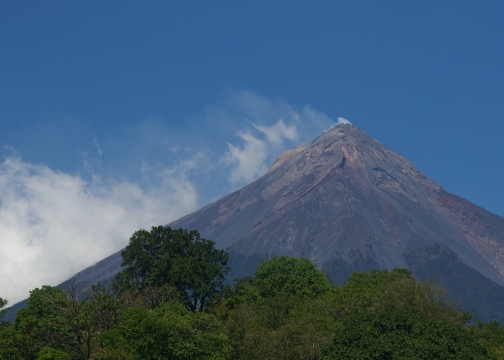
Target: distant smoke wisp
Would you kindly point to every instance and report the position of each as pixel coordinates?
(277, 133)
(342, 120)
(248, 161)
(241, 134)
(54, 224)
(98, 148)
(272, 126)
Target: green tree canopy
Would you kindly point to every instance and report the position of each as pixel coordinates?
(290, 276)
(56, 322)
(177, 257)
(49, 353)
(42, 323)
(2, 304)
(169, 332)
(396, 290)
(406, 334)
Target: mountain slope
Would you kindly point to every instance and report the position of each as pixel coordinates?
(347, 197)
(348, 203)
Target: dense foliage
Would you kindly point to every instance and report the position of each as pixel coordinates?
(170, 303)
(2, 304)
(177, 257)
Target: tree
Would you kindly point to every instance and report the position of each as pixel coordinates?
(39, 325)
(2, 304)
(492, 335)
(168, 332)
(56, 320)
(273, 314)
(10, 340)
(176, 257)
(405, 334)
(290, 276)
(396, 290)
(281, 327)
(49, 353)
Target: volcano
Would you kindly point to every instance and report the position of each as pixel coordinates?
(346, 197)
(347, 203)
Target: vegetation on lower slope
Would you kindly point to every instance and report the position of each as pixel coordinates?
(171, 302)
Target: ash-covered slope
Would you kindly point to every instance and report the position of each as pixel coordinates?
(348, 203)
(346, 197)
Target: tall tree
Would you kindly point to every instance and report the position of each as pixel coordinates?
(2, 304)
(290, 276)
(168, 332)
(176, 257)
(42, 323)
(54, 321)
(404, 334)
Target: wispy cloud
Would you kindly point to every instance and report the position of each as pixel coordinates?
(248, 160)
(268, 127)
(53, 224)
(341, 120)
(98, 148)
(277, 133)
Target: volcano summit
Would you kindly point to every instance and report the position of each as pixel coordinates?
(345, 198)
(348, 203)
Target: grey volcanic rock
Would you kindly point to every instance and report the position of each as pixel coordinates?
(347, 197)
(348, 203)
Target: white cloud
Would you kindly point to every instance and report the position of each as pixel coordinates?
(268, 127)
(251, 160)
(248, 160)
(98, 148)
(54, 224)
(342, 120)
(276, 133)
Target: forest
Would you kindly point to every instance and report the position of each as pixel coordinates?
(172, 301)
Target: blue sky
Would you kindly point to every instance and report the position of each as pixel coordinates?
(116, 115)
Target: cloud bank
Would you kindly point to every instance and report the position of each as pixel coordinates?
(54, 224)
